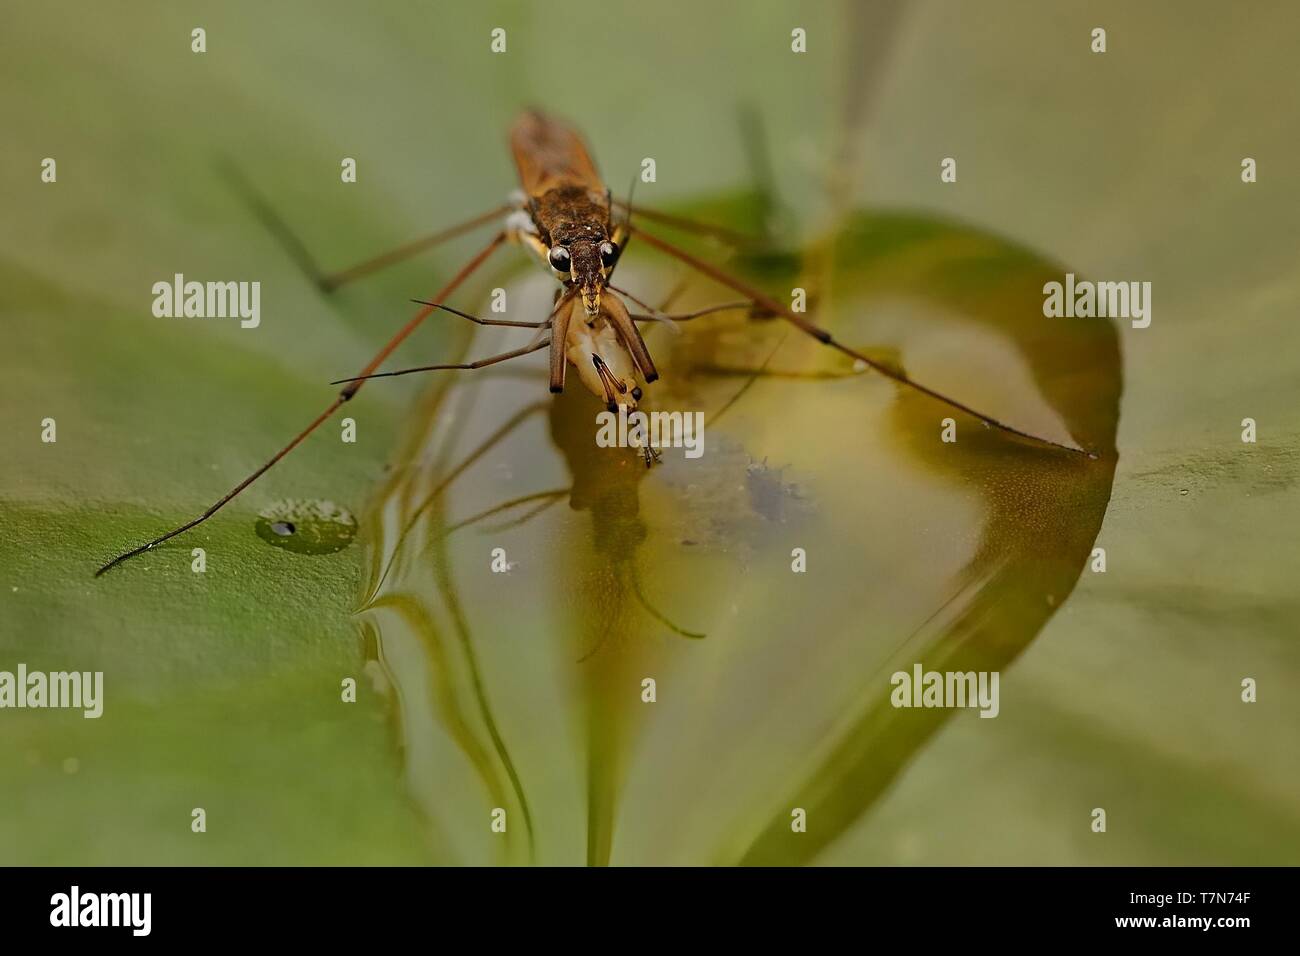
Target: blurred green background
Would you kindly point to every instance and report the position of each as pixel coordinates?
(222, 689)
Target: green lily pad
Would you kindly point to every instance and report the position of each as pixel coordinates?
(229, 681)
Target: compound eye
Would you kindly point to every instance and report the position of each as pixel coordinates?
(560, 260)
(608, 254)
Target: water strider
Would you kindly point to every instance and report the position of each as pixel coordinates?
(566, 218)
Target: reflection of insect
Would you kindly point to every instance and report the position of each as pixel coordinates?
(565, 218)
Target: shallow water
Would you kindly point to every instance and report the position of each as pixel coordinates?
(522, 689)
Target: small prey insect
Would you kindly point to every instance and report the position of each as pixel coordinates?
(565, 217)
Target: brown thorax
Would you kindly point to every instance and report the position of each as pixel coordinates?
(574, 224)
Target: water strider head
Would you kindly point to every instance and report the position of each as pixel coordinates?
(585, 263)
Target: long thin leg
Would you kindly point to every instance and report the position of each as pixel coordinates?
(729, 236)
(640, 302)
(561, 317)
(699, 313)
(481, 363)
(658, 315)
(423, 314)
(328, 282)
(559, 331)
(821, 335)
(618, 316)
(557, 321)
(474, 318)
(343, 397)
(333, 280)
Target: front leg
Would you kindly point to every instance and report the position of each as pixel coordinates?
(521, 229)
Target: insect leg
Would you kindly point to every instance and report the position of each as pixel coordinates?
(481, 363)
(746, 304)
(473, 318)
(631, 336)
(328, 282)
(558, 337)
(822, 335)
(729, 236)
(560, 319)
(343, 397)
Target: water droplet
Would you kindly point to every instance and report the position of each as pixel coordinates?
(306, 526)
